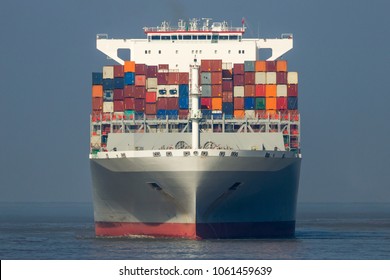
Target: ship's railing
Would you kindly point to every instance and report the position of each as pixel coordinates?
(177, 29)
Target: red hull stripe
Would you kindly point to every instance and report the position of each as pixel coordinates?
(198, 231)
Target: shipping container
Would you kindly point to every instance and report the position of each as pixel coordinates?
(129, 114)
(250, 114)
(97, 103)
(216, 103)
(206, 113)
(151, 83)
(239, 103)
(183, 114)
(206, 90)
(238, 91)
(140, 92)
(249, 91)
(118, 106)
(151, 71)
(261, 114)
(140, 69)
(206, 103)
(227, 66)
(173, 90)
(162, 103)
(118, 94)
(227, 74)
(216, 78)
(228, 108)
(108, 84)
(151, 109)
(183, 102)
(173, 78)
(281, 66)
(260, 78)
(162, 78)
(216, 90)
(270, 90)
(97, 78)
(260, 66)
(270, 78)
(249, 103)
(129, 91)
(184, 78)
(184, 90)
(119, 83)
(270, 103)
(108, 95)
(281, 103)
(140, 80)
(162, 90)
(292, 77)
(238, 80)
(172, 103)
(118, 71)
(249, 66)
(281, 90)
(227, 85)
(205, 65)
(292, 103)
(238, 69)
(205, 78)
(151, 97)
(249, 78)
(129, 78)
(139, 104)
(108, 107)
(260, 90)
(239, 114)
(260, 103)
(227, 96)
(97, 91)
(108, 72)
(270, 66)
(172, 114)
(164, 67)
(292, 90)
(281, 77)
(129, 66)
(129, 104)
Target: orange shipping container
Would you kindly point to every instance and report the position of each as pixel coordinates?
(270, 103)
(270, 91)
(260, 66)
(272, 114)
(97, 91)
(129, 66)
(239, 114)
(216, 103)
(281, 66)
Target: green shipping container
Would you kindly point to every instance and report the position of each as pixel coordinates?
(260, 103)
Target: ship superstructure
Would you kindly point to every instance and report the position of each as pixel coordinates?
(194, 136)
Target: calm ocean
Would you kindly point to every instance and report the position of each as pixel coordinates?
(66, 231)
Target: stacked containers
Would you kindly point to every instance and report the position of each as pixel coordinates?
(211, 75)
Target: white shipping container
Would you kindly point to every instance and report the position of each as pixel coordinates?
(167, 91)
(238, 91)
(281, 90)
(292, 77)
(271, 78)
(95, 141)
(108, 107)
(260, 78)
(108, 72)
(227, 66)
(151, 83)
(250, 114)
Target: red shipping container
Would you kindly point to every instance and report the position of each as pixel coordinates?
(206, 103)
(118, 71)
(281, 78)
(129, 91)
(184, 78)
(239, 103)
(140, 69)
(162, 78)
(261, 114)
(270, 66)
(173, 78)
(150, 97)
(227, 85)
(227, 96)
(162, 103)
(129, 103)
(151, 72)
(249, 78)
(238, 69)
(172, 103)
(205, 65)
(292, 90)
(238, 80)
(260, 90)
(118, 94)
(140, 92)
(216, 90)
(163, 66)
(216, 65)
(183, 114)
(216, 78)
(150, 109)
(250, 90)
(140, 80)
(281, 103)
(139, 105)
(118, 106)
(97, 103)
(227, 74)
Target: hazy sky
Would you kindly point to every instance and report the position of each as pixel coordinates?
(341, 51)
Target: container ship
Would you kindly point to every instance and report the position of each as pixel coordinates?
(194, 136)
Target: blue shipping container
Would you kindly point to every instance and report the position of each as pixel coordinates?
(161, 114)
(119, 83)
(184, 90)
(249, 103)
(206, 114)
(183, 102)
(129, 78)
(108, 95)
(108, 84)
(228, 108)
(97, 78)
(217, 116)
(172, 114)
(292, 103)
